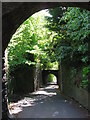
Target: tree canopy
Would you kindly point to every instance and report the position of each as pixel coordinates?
(31, 40)
(72, 27)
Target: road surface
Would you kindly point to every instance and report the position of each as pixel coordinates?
(48, 103)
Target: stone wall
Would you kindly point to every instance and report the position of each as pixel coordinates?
(68, 87)
(22, 79)
(81, 96)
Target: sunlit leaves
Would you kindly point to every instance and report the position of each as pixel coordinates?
(77, 22)
(31, 38)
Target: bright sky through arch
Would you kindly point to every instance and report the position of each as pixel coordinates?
(43, 12)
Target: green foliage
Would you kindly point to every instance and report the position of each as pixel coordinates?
(86, 71)
(71, 40)
(72, 28)
(28, 46)
(85, 74)
(50, 78)
(31, 40)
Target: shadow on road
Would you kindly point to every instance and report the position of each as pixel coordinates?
(47, 102)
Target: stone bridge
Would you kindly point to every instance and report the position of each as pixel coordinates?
(13, 15)
(45, 74)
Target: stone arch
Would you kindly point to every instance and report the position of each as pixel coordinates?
(51, 79)
(45, 73)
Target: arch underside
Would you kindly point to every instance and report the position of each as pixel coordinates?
(45, 74)
(15, 13)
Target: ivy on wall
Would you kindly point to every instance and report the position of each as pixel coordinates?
(72, 27)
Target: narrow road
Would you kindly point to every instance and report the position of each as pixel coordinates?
(49, 103)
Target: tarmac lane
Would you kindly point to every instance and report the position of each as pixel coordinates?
(49, 103)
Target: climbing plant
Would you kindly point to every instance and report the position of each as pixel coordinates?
(72, 37)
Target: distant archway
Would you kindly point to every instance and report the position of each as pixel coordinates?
(51, 79)
(45, 74)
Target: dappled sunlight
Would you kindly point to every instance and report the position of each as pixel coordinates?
(14, 109)
(45, 93)
(45, 102)
(32, 99)
(52, 87)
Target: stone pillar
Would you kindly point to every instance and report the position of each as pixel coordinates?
(67, 82)
(37, 77)
(89, 75)
(5, 111)
(60, 77)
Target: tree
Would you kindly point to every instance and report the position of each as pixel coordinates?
(72, 36)
(30, 39)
